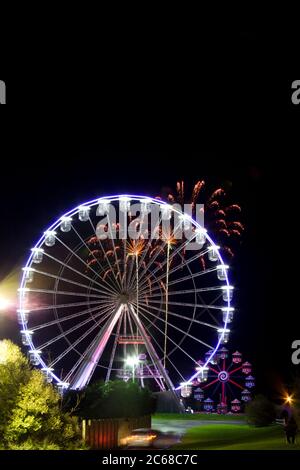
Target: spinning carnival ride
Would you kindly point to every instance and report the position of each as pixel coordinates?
(94, 299)
(227, 381)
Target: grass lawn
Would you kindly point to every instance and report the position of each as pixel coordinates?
(199, 416)
(235, 437)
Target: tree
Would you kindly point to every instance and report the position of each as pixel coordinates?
(31, 415)
(116, 399)
(14, 372)
(260, 411)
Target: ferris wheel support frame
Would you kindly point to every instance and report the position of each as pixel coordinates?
(155, 359)
(85, 372)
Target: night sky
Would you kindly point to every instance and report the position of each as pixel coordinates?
(236, 127)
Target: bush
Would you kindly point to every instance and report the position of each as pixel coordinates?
(260, 411)
(31, 415)
(115, 399)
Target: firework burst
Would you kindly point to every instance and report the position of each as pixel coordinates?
(221, 215)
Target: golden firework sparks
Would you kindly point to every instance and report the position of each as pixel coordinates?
(135, 247)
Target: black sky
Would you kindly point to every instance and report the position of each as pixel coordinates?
(145, 131)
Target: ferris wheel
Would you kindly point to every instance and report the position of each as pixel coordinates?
(228, 380)
(117, 287)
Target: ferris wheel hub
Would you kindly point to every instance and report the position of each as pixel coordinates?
(223, 376)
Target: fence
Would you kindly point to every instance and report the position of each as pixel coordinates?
(108, 433)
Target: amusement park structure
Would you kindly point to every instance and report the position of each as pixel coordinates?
(115, 287)
(225, 385)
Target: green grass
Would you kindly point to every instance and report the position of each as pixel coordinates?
(198, 416)
(235, 437)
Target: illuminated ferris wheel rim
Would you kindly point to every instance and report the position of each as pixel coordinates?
(129, 198)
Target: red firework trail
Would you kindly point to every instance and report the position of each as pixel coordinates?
(221, 216)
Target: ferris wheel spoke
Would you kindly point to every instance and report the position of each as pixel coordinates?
(190, 319)
(117, 261)
(73, 304)
(81, 359)
(158, 279)
(71, 347)
(84, 261)
(57, 292)
(70, 330)
(182, 331)
(153, 354)
(104, 252)
(210, 383)
(206, 310)
(87, 246)
(214, 370)
(171, 362)
(235, 383)
(68, 281)
(187, 304)
(169, 338)
(91, 280)
(148, 287)
(161, 248)
(158, 380)
(234, 370)
(132, 333)
(149, 245)
(112, 357)
(129, 284)
(191, 291)
(131, 277)
(174, 253)
(68, 317)
(184, 278)
(86, 370)
(124, 282)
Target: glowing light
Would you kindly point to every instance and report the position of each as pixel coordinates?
(223, 335)
(289, 399)
(186, 220)
(28, 274)
(124, 203)
(166, 211)
(213, 253)
(185, 389)
(22, 291)
(22, 316)
(4, 303)
(37, 255)
(50, 237)
(132, 361)
(200, 236)
(84, 213)
(227, 314)
(103, 207)
(66, 224)
(222, 272)
(145, 205)
(63, 385)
